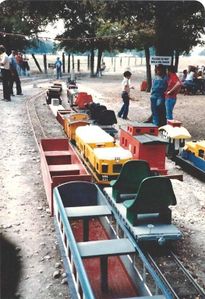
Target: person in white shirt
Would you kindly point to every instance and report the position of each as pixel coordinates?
(189, 84)
(6, 73)
(126, 86)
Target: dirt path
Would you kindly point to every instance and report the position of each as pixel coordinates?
(25, 218)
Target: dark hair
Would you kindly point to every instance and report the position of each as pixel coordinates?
(127, 74)
(161, 68)
(171, 68)
(2, 49)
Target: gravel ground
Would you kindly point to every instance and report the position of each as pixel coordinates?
(25, 218)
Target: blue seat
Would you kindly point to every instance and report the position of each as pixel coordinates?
(83, 200)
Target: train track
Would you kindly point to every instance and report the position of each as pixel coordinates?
(176, 277)
(35, 123)
(165, 263)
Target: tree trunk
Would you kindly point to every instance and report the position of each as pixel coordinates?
(148, 69)
(92, 57)
(63, 61)
(163, 44)
(36, 62)
(99, 61)
(176, 60)
(45, 63)
(68, 63)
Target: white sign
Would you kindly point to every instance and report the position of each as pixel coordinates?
(165, 60)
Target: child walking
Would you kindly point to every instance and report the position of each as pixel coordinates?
(125, 95)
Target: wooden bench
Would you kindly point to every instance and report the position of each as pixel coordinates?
(104, 249)
(86, 213)
(58, 157)
(57, 153)
(64, 169)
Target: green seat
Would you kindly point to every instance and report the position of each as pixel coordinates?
(151, 203)
(130, 177)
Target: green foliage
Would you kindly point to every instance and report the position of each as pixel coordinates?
(41, 47)
(28, 20)
(169, 26)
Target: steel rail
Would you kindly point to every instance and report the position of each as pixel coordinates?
(195, 285)
(188, 275)
(29, 102)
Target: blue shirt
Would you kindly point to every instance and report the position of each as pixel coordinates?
(159, 86)
(13, 63)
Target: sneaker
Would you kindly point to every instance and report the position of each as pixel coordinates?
(19, 94)
(126, 118)
(7, 100)
(119, 115)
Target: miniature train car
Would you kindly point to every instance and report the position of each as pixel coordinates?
(192, 158)
(103, 156)
(62, 115)
(54, 92)
(72, 91)
(82, 99)
(73, 121)
(142, 202)
(142, 140)
(176, 135)
(59, 164)
(98, 263)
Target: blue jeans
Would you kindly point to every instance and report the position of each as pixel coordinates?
(58, 73)
(155, 103)
(125, 107)
(169, 104)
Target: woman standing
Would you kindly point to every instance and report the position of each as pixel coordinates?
(173, 88)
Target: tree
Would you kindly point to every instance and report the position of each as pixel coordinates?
(17, 31)
(81, 20)
(175, 26)
(178, 27)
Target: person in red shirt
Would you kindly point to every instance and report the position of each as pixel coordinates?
(173, 88)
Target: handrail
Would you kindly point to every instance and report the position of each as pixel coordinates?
(85, 284)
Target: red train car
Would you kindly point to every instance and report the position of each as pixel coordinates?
(82, 99)
(60, 164)
(61, 116)
(142, 140)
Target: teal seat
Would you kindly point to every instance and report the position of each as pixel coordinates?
(152, 201)
(130, 177)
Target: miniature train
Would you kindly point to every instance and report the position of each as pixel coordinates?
(176, 135)
(90, 222)
(59, 164)
(99, 263)
(192, 158)
(143, 142)
(188, 154)
(103, 156)
(140, 139)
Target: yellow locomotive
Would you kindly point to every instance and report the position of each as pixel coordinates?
(197, 148)
(73, 121)
(103, 156)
